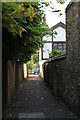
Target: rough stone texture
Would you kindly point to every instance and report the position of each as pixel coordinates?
(64, 78)
(73, 31)
(63, 74)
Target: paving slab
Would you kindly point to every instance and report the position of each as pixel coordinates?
(31, 115)
(34, 99)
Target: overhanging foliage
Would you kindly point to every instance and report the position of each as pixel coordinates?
(23, 25)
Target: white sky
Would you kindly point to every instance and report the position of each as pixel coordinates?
(54, 18)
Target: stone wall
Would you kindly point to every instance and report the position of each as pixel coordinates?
(62, 73)
(73, 30)
(62, 76)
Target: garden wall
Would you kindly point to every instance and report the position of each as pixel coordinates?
(62, 73)
(62, 76)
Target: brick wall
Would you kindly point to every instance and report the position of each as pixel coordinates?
(62, 73)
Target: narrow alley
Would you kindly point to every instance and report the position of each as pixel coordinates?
(31, 47)
(33, 99)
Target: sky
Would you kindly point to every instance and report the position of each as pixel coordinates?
(54, 18)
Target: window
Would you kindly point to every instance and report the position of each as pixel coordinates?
(64, 46)
(55, 45)
(59, 45)
(46, 50)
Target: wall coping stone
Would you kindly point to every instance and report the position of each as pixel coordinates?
(56, 58)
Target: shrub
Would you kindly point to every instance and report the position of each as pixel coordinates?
(56, 52)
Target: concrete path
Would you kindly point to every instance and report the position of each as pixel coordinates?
(34, 100)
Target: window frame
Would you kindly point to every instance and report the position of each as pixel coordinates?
(52, 47)
(57, 42)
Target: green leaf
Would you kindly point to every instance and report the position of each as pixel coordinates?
(56, 11)
(58, 1)
(61, 14)
(71, 19)
(61, 1)
(55, 32)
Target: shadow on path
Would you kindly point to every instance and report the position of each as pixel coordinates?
(34, 100)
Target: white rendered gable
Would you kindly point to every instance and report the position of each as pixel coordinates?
(61, 34)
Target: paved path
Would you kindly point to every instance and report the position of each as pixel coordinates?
(34, 99)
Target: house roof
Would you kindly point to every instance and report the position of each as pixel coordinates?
(58, 25)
